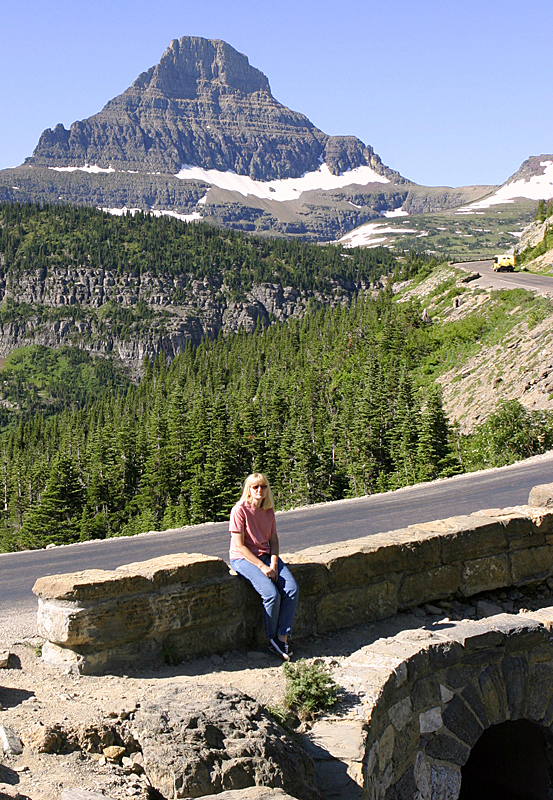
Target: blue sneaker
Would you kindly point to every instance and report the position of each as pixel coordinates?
(280, 648)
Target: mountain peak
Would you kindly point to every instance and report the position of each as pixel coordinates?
(192, 64)
(203, 105)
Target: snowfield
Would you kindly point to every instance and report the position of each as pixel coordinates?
(538, 187)
(118, 212)
(286, 188)
(372, 234)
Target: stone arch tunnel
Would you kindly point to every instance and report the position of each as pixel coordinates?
(458, 710)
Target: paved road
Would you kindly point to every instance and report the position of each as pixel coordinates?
(311, 526)
(489, 279)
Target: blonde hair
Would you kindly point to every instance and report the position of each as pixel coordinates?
(257, 477)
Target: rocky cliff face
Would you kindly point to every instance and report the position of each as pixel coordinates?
(203, 104)
(133, 317)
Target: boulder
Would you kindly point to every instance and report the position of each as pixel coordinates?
(541, 496)
(225, 741)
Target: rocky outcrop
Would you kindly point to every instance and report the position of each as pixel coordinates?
(531, 167)
(138, 316)
(226, 741)
(534, 234)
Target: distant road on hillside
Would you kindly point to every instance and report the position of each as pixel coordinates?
(489, 279)
(306, 527)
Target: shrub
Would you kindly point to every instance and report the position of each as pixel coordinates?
(309, 688)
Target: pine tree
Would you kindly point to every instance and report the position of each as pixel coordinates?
(56, 518)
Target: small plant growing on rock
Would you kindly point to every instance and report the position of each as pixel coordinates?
(309, 688)
(171, 655)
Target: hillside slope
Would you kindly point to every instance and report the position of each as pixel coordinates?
(497, 345)
(136, 287)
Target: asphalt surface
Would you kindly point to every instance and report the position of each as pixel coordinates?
(307, 527)
(489, 279)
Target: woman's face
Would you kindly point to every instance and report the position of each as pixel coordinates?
(258, 491)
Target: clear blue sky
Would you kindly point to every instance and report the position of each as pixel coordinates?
(448, 92)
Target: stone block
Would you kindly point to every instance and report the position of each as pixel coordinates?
(106, 623)
(403, 550)
(460, 721)
(90, 584)
(201, 639)
(494, 695)
(527, 635)
(475, 537)
(199, 604)
(400, 713)
(443, 747)
(178, 568)
(514, 669)
(82, 794)
(431, 721)
(386, 748)
(473, 698)
(485, 574)
(425, 694)
(541, 496)
(540, 691)
(523, 532)
(354, 606)
(99, 662)
(531, 565)
(406, 744)
(444, 655)
(484, 635)
(10, 742)
(433, 584)
(311, 577)
(437, 780)
(349, 568)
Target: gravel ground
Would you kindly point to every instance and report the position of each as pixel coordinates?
(34, 696)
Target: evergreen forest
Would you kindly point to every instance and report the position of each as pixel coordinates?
(38, 237)
(340, 403)
(328, 406)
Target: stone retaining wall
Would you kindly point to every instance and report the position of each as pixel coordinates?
(189, 604)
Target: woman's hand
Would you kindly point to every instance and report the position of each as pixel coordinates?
(270, 571)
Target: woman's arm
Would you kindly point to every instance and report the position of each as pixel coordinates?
(245, 552)
(275, 547)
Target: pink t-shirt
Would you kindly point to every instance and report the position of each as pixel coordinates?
(257, 525)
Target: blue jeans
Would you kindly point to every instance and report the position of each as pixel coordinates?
(279, 599)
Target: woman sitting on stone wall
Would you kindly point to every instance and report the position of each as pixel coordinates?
(254, 555)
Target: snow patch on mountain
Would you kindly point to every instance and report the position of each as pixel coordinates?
(119, 212)
(397, 212)
(286, 188)
(537, 187)
(372, 234)
(85, 168)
